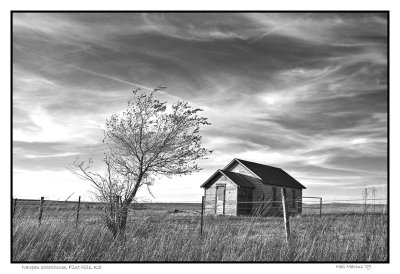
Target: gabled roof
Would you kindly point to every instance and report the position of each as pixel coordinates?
(235, 178)
(268, 175)
(271, 175)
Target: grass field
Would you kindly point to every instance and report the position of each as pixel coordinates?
(168, 232)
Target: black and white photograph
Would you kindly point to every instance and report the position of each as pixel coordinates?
(199, 136)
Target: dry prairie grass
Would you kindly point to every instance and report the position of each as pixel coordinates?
(161, 236)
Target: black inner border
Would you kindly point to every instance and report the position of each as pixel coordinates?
(387, 12)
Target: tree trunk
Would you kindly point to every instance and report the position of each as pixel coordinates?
(122, 214)
(123, 218)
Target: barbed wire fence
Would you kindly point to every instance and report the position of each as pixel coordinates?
(307, 206)
(76, 211)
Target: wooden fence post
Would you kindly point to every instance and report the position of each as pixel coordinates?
(365, 206)
(117, 199)
(15, 205)
(320, 207)
(202, 211)
(300, 205)
(41, 209)
(285, 214)
(77, 211)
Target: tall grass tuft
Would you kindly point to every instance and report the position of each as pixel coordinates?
(166, 237)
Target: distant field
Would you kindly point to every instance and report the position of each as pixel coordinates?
(88, 207)
(31, 207)
(170, 232)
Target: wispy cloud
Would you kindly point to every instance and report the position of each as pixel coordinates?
(113, 78)
(303, 91)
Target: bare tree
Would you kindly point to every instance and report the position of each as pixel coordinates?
(372, 191)
(365, 194)
(147, 140)
(108, 187)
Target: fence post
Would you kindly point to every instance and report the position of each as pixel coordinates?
(117, 198)
(300, 209)
(320, 207)
(285, 214)
(15, 205)
(77, 211)
(202, 211)
(365, 206)
(41, 209)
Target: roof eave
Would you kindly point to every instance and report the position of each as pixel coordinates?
(208, 180)
(215, 173)
(243, 165)
(234, 160)
(222, 172)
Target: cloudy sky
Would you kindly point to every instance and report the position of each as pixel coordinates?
(306, 92)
